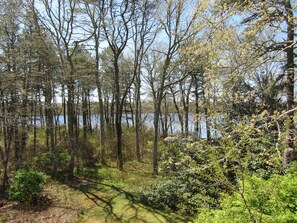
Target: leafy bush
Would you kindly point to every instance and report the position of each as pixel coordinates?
(40, 138)
(177, 195)
(128, 143)
(44, 161)
(201, 173)
(90, 171)
(26, 186)
(162, 196)
(257, 200)
(255, 143)
(192, 179)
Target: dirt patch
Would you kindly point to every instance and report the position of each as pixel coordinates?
(49, 210)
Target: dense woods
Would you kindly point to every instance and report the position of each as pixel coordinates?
(202, 92)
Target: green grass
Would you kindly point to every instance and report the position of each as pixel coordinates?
(110, 196)
(135, 174)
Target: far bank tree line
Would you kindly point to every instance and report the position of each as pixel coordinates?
(236, 58)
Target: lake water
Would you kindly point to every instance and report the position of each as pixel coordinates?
(174, 128)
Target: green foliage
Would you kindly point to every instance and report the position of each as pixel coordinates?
(88, 149)
(257, 200)
(129, 143)
(44, 161)
(40, 138)
(162, 147)
(150, 144)
(249, 163)
(199, 173)
(254, 144)
(191, 182)
(26, 186)
(90, 171)
(163, 195)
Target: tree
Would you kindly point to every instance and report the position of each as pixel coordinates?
(10, 21)
(144, 33)
(45, 65)
(93, 12)
(277, 17)
(178, 24)
(60, 22)
(116, 21)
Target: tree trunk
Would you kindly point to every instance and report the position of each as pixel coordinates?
(101, 105)
(137, 118)
(118, 117)
(90, 128)
(17, 150)
(8, 133)
(50, 123)
(177, 109)
(166, 126)
(64, 105)
(35, 124)
(186, 108)
(196, 104)
(71, 135)
(207, 125)
(84, 105)
(156, 134)
(290, 153)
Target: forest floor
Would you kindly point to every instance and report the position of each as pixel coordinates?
(106, 195)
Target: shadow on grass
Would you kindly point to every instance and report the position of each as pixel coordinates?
(117, 209)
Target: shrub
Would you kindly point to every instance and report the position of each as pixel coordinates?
(191, 182)
(257, 200)
(44, 161)
(128, 142)
(88, 150)
(26, 186)
(90, 171)
(201, 172)
(162, 196)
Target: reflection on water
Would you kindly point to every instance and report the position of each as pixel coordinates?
(173, 123)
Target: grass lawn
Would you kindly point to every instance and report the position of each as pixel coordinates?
(107, 195)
